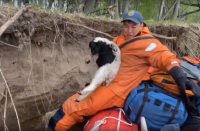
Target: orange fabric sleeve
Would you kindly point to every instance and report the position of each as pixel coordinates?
(159, 56)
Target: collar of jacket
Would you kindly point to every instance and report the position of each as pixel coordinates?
(121, 39)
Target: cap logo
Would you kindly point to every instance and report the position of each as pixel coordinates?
(130, 13)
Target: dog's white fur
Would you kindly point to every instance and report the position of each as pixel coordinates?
(106, 73)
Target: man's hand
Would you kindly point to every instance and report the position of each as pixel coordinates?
(183, 83)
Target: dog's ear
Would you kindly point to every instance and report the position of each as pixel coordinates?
(90, 44)
(100, 47)
(95, 47)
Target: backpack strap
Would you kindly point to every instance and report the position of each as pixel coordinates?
(189, 102)
(193, 69)
(146, 90)
(136, 39)
(145, 99)
(174, 112)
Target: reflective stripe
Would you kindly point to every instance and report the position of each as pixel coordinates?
(151, 47)
(174, 62)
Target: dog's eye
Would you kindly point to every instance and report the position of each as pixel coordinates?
(114, 50)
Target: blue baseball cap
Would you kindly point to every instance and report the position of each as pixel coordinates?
(134, 16)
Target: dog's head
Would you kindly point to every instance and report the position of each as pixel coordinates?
(99, 47)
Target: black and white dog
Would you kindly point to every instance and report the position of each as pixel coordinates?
(109, 61)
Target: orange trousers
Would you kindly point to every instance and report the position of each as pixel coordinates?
(73, 112)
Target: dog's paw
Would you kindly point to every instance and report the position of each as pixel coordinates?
(77, 100)
(107, 84)
(87, 84)
(83, 92)
(81, 98)
(79, 92)
(87, 90)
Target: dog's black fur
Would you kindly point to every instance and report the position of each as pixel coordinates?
(104, 50)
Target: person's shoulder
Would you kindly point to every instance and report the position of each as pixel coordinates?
(115, 39)
(119, 40)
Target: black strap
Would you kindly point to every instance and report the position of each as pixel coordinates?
(175, 111)
(167, 81)
(159, 74)
(136, 39)
(145, 99)
(190, 106)
(149, 89)
(127, 114)
(189, 103)
(158, 91)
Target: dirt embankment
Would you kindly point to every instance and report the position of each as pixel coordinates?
(46, 62)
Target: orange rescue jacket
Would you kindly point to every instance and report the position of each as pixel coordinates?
(136, 62)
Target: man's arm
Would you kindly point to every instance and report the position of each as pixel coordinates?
(159, 56)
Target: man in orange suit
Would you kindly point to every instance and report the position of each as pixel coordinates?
(136, 58)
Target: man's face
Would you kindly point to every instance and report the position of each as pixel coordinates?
(131, 29)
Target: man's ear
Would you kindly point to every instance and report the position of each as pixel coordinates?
(142, 25)
(145, 25)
